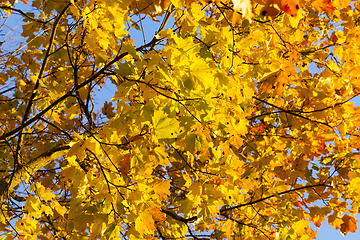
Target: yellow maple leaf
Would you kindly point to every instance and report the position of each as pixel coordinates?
(59, 209)
(276, 80)
(336, 223)
(45, 194)
(301, 226)
(145, 222)
(157, 214)
(164, 126)
(317, 220)
(33, 206)
(148, 221)
(196, 142)
(139, 225)
(162, 189)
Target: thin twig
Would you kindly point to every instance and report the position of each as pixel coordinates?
(22, 13)
(223, 210)
(292, 113)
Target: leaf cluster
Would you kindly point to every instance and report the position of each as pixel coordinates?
(224, 124)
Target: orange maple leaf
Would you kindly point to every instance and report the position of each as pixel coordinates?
(317, 221)
(327, 6)
(273, 7)
(157, 214)
(349, 224)
(324, 6)
(260, 128)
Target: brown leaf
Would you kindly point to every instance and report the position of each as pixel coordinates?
(125, 164)
(334, 38)
(107, 110)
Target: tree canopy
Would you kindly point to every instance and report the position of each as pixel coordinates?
(234, 121)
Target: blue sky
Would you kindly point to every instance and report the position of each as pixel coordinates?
(327, 232)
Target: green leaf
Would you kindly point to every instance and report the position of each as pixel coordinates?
(110, 230)
(124, 69)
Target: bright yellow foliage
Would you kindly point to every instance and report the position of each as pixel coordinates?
(179, 119)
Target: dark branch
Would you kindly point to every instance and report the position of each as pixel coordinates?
(291, 113)
(177, 217)
(223, 210)
(22, 13)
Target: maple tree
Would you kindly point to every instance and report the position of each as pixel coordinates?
(219, 127)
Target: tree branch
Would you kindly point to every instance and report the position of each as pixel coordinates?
(37, 84)
(291, 113)
(12, 180)
(223, 210)
(22, 13)
(70, 93)
(177, 217)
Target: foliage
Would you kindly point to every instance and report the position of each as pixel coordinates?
(217, 127)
